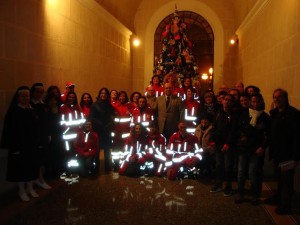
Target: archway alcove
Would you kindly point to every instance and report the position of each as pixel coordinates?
(201, 35)
(160, 13)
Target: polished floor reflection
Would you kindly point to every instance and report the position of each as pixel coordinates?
(112, 199)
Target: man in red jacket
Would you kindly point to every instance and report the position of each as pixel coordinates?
(183, 152)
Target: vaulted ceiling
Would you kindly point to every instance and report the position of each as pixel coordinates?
(125, 10)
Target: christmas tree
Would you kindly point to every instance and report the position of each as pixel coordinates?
(176, 57)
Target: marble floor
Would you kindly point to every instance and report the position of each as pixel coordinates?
(111, 199)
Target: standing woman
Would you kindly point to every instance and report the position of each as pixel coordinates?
(20, 135)
(86, 102)
(37, 103)
(102, 118)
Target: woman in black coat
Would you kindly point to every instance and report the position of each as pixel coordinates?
(102, 118)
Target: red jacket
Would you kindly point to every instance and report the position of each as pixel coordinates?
(87, 142)
(139, 116)
(176, 139)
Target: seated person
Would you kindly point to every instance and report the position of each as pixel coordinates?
(134, 152)
(155, 154)
(183, 152)
(86, 146)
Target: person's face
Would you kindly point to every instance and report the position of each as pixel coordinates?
(122, 98)
(245, 102)
(204, 123)
(187, 82)
(150, 92)
(189, 94)
(55, 92)
(220, 98)
(142, 103)
(103, 95)
(168, 89)
(137, 129)
(38, 93)
(235, 94)
(155, 80)
(279, 99)
(113, 95)
(208, 100)
(239, 86)
(86, 99)
(71, 88)
(135, 98)
(256, 103)
(153, 130)
(250, 91)
(88, 126)
(227, 102)
(182, 128)
(24, 98)
(71, 98)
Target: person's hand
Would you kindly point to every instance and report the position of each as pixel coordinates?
(225, 148)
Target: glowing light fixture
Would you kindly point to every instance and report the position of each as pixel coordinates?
(234, 40)
(136, 42)
(204, 76)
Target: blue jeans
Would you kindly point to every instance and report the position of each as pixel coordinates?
(250, 164)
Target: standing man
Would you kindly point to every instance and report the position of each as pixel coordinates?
(169, 111)
(284, 149)
(150, 95)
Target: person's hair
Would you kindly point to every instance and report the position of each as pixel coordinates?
(82, 97)
(255, 88)
(284, 94)
(244, 94)
(134, 93)
(107, 93)
(230, 95)
(222, 93)
(257, 95)
(51, 88)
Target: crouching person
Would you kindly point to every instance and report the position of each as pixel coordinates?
(134, 153)
(183, 153)
(86, 147)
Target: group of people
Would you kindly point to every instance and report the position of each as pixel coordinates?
(170, 130)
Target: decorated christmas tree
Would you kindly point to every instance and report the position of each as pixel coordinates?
(176, 57)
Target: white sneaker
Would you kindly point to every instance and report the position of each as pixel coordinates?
(43, 185)
(33, 194)
(24, 197)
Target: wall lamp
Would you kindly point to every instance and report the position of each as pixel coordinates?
(234, 40)
(136, 42)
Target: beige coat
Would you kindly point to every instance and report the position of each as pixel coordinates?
(205, 138)
(168, 118)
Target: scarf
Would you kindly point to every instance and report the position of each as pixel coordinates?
(254, 115)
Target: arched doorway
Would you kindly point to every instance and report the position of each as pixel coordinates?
(201, 35)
